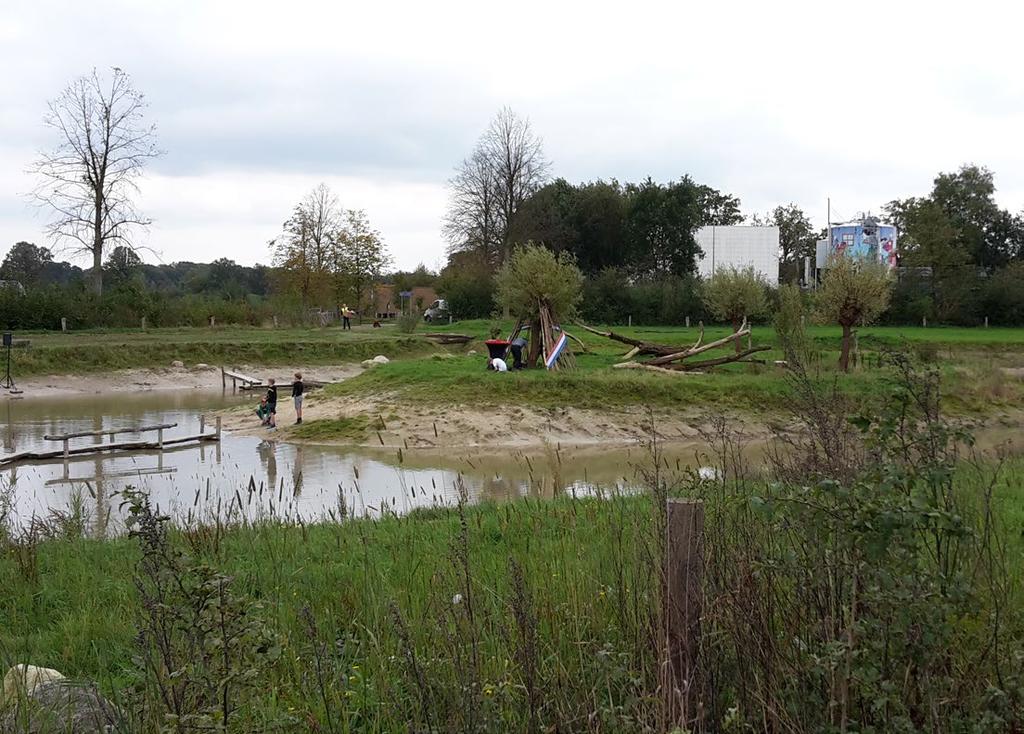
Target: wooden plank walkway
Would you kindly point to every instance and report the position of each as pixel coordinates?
(67, 451)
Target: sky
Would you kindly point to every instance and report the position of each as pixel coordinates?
(256, 103)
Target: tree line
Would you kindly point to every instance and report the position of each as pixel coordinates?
(960, 253)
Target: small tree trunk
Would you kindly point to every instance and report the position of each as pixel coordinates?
(736, 327)
(844, 355)
(97, 270)
(535, 344)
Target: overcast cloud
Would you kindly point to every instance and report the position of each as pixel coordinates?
(257, 102)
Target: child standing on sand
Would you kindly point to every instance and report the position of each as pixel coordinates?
(272, 403)
(297, 389)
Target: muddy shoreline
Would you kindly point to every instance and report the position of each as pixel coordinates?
(425, 430)
(193, 377)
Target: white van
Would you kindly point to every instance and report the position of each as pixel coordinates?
(436, 311)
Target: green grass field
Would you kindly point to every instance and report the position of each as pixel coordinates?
(424, 618)
(971, 362)
(89, 351)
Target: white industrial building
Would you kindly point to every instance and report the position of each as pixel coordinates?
(739, 246)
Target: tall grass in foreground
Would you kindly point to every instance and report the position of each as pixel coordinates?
(863, 585)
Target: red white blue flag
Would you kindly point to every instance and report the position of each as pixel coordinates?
(556, 352)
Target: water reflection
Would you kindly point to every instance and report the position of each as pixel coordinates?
(251, 478)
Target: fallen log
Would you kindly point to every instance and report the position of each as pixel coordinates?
(744, 330)
(642, 346)
(703, 364)
(649, 368)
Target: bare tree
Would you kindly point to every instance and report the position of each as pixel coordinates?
(471, 223)
(90, 177)
(489, 187)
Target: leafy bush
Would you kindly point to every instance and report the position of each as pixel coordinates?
(407, 322)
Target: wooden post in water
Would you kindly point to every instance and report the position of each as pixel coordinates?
(218, 428)
(684, 567)
(223, 379)
(202, 425)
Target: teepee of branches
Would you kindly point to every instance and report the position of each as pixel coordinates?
(540, 288)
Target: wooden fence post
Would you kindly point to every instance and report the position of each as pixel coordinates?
(160, 438)
(684, 567)
(275, 321)
(213, 322)
(687, 322)
(63, 324)
(65, 448)
(143, 323)
(631, 319)
(986, 322)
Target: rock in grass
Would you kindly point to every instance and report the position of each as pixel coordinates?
(38, 700)
(381, 359)
(177, 364)
(23, 679)
(61, 706)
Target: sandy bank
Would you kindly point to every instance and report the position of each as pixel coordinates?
(430, 428)
(167, 378)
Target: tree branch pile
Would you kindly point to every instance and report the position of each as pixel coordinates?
(677, 358)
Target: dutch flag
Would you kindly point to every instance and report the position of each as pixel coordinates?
(556, 352)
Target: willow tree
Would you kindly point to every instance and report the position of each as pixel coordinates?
(854, 292)
(89, 179)
(735, 295)
(541, 289)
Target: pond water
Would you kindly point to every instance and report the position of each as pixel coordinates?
(250, 477)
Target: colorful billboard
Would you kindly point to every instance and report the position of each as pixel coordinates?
(866, 238)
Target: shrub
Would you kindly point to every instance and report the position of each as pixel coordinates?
(407, 322)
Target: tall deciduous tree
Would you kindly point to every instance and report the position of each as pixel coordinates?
(89, 179)
(490, 186)
(968, 199)
(25, 263)
(305, 251)
(360, 258)
(660, 226)
(854, 291)
(797, 238)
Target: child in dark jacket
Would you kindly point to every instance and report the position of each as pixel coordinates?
(272, 403)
